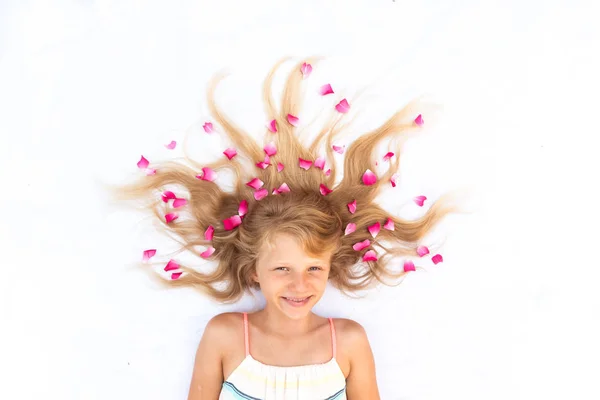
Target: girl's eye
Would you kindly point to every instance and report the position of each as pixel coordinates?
(316, 268)
(281, 268)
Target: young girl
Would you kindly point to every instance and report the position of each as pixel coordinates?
(287, 229)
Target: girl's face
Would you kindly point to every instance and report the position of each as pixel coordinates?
(291, 280)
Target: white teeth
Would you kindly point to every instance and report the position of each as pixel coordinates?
(298, 300)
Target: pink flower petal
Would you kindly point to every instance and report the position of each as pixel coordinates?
(328, 172)
(179, 203)
(293, 120)
(208, 127)
(437, 258)
(279, 167)
(284, 188)
(230, 153)
(176, 275)
(374, 229)
(306, 69)
(255, 183)
(343, 106)
(207, 174)
(148, 254)
(270, 149)
(208, 252)
(419, 200)
(262, 165)
(352, 207)
(143, 163)
(419, 120)
(320, 162)
(351, 227)
(209, 233)
(389, 224)
(393, 180)
(409, 266)
(170, 217)
(422, 251)
(388, 156)
(261, 194)
(275, 192)
(273, 126)
(324, 190)
(243, 208)
(171, 265)
(305, 163)
(370, 256)
(171, 145)
(325, 90)
(168, 195)
(369, 178)
(361, 245)
(231, 222)
(339, 149)
(150, 171)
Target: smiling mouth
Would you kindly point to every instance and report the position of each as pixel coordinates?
(297, 300)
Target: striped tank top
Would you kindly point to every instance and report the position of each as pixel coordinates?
(255, 380)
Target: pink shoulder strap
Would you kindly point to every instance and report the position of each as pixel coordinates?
(246, 341)
(333, 344)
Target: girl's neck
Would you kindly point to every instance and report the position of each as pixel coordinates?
(278, 324)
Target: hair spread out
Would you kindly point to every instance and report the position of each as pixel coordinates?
(315, 209)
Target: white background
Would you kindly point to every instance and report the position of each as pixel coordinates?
(86, 87)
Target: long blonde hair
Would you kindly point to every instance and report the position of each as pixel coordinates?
(314, 210)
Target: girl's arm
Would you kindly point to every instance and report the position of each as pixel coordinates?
(207, 377)
(361, 382)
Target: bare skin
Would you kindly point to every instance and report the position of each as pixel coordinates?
(282, 334)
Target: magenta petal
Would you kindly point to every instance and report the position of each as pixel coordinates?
(208, 174)
(422, 251)
(179, 203)
(306, 69)
(304, 163)
(370, 256)
(293, 120)
(393, 180)
(171, 265)
(324, 190)
(339, 149)
(143, 163)
(208, 252)
(168, 195)
(437, 258)
(270, 149)
(171, 145)
(352, 207)
(374, 229)
(255, 183)
(243, 208)
(273, 126)
(279, 167)
(284, 188)
(325, 90)
(389, 224)
(351, 227)
(176, 275)
(209, 233)
(343, 106)
(262, 165)
(148, 254)
(369, 178)
(320, 162)
(170, 217)
(419, 120)
(230, 153)
(419, 200)
(361, 245)
(232, 222)
(208, 127)
(261, 194)
(328, 172)
(409, 266)
(275, 192)
(388, 156)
